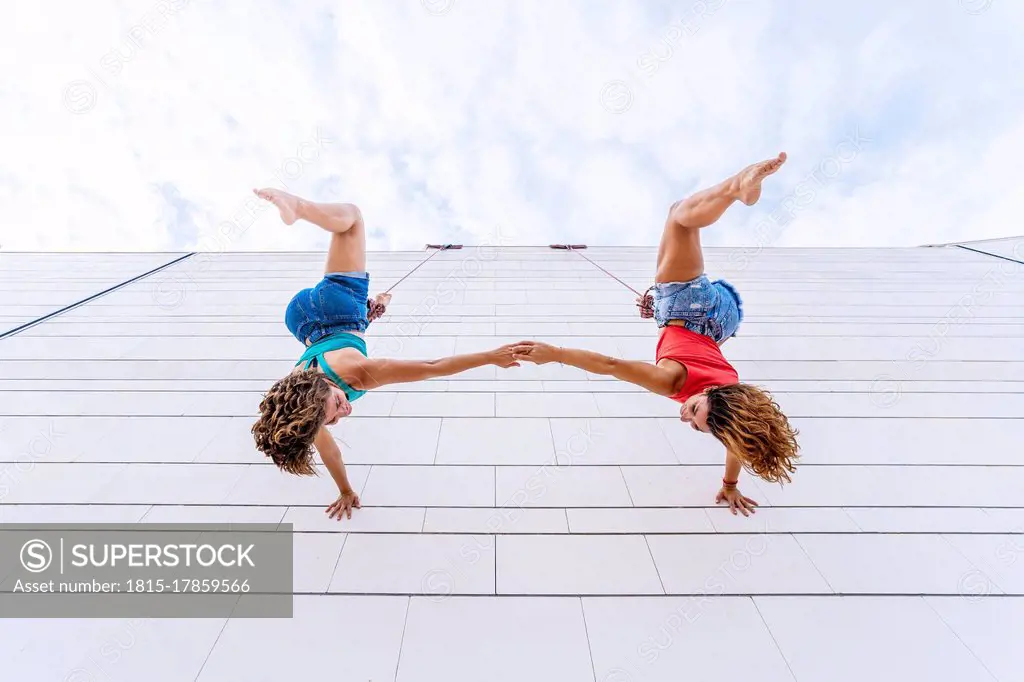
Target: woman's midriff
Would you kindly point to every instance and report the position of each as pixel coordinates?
(353, 333)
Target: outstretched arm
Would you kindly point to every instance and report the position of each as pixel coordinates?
(376, 372)
(330, 453)
(661, 380)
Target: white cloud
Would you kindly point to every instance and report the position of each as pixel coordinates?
(445, 125)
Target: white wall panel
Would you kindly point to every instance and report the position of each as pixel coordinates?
(584, 497)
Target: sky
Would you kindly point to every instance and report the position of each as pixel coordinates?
(138, 126)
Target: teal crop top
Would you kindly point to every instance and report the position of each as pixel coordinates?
(315, 354)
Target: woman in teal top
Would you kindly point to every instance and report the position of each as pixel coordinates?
(330, 319)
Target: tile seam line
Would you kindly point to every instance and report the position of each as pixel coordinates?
(209, 653)
(1007, 361)
(463, 506)
(222, 415)
(586, 633)
(6, 380)
(188, 390)
(481, 465)
(401, 642)
(974, 564)
(72, 306)
(589, 534)
(444, 336)
(775, 641)
(956, 634)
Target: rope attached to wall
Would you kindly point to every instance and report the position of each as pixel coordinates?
(644, 301)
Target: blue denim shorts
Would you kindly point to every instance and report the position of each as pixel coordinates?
(713, 309)
(336, 304)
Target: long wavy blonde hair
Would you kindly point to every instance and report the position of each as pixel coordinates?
(291, 414)
(748, 421)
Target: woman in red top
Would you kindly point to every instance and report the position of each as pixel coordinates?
(697, 316)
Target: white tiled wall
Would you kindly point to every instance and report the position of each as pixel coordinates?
(543, 522)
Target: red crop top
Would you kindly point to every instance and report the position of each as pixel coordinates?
(703, 359)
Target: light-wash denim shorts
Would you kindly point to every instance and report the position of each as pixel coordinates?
(711, 308)
(336, 304)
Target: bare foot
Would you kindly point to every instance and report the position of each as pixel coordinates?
(750, 178)
(287, 204)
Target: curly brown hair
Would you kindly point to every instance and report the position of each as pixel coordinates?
(291, 414)
(748, 421)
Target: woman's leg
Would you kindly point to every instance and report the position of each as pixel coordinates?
(679, 257)
(347, 252)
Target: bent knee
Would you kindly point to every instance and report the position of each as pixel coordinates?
(677, 213)
(353, 213)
